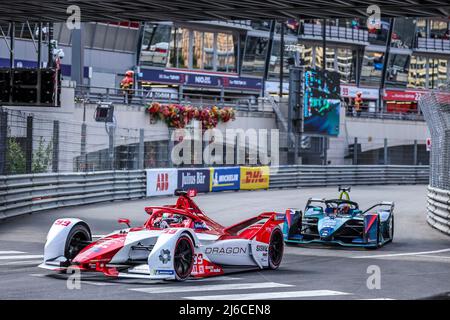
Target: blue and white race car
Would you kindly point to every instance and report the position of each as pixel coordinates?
(340, 221)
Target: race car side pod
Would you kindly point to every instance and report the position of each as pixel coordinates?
(292, 222)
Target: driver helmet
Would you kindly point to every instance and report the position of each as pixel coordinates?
(344, 208)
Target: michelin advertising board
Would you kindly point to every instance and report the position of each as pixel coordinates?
(226, 178)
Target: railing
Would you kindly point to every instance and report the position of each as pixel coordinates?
(386, 115)
(322, 176)
(430, 44)
(142, 97)
(24, 194)
(334, 32)
(439, 209)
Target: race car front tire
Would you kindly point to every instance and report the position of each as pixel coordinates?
(183, 258)
(76, 240)
(276, 249)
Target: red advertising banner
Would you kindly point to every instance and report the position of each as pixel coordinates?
(398, 95)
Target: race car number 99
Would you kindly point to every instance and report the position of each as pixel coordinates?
(63, 223)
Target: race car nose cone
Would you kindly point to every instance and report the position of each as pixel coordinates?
(326, 232)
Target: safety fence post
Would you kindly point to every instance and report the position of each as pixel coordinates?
(29, 145)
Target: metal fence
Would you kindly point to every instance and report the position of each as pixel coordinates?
(436, 109)
(24, 194)
(21, 194)
(323, 176)
(33, 144)
(334, 33)
(439, 209)
(142, 97)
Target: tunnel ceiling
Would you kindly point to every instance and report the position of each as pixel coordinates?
(187, 10)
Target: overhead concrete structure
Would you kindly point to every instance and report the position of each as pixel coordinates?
(144, 10)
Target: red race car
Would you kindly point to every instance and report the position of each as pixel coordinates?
(176, 242)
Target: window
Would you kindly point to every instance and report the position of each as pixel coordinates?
(288, 58)
(179, 48)
(208, 51)
(201, 50)
(372, 68)
(379, 36)
(255, 55)
(155, 45)
(346, 65)
(421, 27)
(403, 33)
(306, 55)
(226, 56)
(438, 73)
(417, 74)
(397, 70)
(438, 29)
(330, 58)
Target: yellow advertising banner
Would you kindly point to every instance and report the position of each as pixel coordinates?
(255, 178)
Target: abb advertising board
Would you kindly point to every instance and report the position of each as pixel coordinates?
(161, 181)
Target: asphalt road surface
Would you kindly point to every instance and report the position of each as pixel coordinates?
(416, 265)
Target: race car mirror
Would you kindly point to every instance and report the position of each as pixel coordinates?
(126, 221)
(192, 193)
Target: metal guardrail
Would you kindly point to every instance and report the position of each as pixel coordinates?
(386, 115)
(334, 33)
(25, 194)
(22, 194)
(431, 44)
(322, 176)
(142, 97)
(439, 209)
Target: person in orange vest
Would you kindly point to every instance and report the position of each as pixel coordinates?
(127, 86)
(358, 103)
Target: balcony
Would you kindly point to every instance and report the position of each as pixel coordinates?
(311, 31)
(432, 45)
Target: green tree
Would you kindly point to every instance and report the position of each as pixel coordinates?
(42, 156)
(15, 157)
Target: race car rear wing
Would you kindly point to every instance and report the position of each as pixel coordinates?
(388, 204)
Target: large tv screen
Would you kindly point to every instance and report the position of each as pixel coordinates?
(321, 102)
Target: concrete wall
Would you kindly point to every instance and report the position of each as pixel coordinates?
(371, 134)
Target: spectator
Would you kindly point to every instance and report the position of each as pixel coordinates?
(127, 86)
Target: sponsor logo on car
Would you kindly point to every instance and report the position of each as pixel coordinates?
(164, 256)
(229, 250)
(262, 248)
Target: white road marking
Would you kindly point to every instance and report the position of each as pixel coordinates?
(270, 295)
(378, 299)
(401, 254)
(38, 275)
(211, 287)
(22, 257)
(99, 283)
(216, 278)
(436, 257)
(11, 252)
(31, 262)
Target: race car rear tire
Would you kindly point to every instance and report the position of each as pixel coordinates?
(183, 258)
(276, 249)
(76, 240)
(391, 231)
(388, 235)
